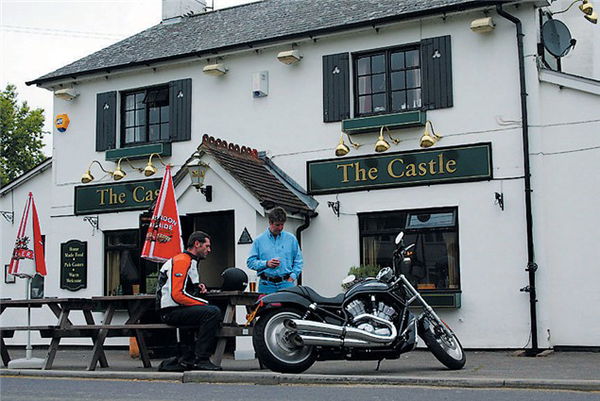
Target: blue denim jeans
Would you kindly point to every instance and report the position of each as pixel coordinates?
(268, 287)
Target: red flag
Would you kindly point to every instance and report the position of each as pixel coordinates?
(163, 240)
(28, 254)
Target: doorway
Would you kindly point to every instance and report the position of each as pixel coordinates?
(220, 227)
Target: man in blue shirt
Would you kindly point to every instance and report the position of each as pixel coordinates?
(276, 255)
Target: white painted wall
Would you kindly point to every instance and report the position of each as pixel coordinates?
(288, 125)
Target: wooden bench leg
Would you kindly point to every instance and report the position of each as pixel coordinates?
(89, 318)
(222, 341)
(143, 350)
(4, 351)
(98, 349)
(51, 353)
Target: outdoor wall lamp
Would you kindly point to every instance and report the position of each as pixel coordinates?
(150, 169)
(215, 69)
(429, 139)
(88, 177)
(382, 145)
(119, 173)
(197, 173)
(342, 149)
(289, 56)
(586, 8)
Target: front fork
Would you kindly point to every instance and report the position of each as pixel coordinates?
(428, 310)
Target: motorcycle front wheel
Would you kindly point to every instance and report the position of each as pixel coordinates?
(446, 348)
(274, 344)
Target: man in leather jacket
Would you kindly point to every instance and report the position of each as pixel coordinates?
(179, 297)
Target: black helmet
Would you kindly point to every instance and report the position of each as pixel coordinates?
(234, 279)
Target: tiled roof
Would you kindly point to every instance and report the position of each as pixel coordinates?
(250, 25)
(251, 171)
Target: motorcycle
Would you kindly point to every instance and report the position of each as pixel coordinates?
(370, 321)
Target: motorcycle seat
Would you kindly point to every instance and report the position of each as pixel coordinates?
(311, 294)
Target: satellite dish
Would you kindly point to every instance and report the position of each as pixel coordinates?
(557, 38)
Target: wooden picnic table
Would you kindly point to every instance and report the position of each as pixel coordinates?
(135, 306)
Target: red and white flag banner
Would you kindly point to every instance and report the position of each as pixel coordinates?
(28, 254)
(163, 240)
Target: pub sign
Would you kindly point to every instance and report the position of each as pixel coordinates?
(116, 197)
(73, 265)
(424, 167)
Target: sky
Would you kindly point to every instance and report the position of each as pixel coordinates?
(40, 36)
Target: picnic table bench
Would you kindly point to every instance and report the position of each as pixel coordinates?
(135, 306)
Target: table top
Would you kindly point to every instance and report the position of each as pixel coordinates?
(211, 295)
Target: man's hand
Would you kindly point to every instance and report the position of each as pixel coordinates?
(291, 280)
(273, 263)
(203, 289)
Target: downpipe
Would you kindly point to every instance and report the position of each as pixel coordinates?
(318, 333)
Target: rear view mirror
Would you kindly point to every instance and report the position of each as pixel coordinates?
(399, 237)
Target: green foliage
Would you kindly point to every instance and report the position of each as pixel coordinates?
(364, 271)
(21, 132)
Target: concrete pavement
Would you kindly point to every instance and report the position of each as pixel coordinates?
(484, 369)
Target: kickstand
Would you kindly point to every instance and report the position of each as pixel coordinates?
(378, 364)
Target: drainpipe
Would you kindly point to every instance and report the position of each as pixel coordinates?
(531, 265)
(299, 230)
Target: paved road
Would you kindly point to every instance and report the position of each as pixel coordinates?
(28, 389)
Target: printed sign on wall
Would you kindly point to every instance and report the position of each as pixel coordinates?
(73, 265)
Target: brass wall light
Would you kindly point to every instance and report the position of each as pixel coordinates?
(88, 177)
(342, 149)
(429, 139)
(382, 145)
(586, 8)
(197, 173)
(119, 173)
(150, 169)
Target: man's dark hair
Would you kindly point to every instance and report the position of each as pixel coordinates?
(199, 236)
(277, 215)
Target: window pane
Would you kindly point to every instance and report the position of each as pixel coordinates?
(398, 101)
(140, 117)
(154, 116)
(420, 220)
(378, 82)
(140, 134)
(129, 135)
(378, 64)
(139, 100)
(398, 80)
(413, 98)
(164, 114)
(398, 61)
(413, 79)
(164, 131)
(129, 102)
(129, 118)
(412, 58)
(364, 85)
(364, 104)
(379, 102)
(154, 133)
(364, 65)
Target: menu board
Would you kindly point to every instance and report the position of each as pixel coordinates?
(73, 265)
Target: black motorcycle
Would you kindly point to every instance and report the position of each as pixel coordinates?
(371, 321)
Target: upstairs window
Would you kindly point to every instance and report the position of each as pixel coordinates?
(145, 116)
(387, 81)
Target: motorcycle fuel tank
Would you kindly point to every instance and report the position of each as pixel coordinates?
(368, 286)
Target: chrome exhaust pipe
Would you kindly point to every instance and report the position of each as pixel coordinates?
(301, 340)
(345, 333)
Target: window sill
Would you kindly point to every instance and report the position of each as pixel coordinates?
(442, 299)
(139, 152)
(374, 123)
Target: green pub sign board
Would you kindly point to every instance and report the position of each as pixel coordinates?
(425, 167)
(103, 198)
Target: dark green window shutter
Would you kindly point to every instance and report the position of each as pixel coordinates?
(436, 71)
(180, 109)
(336, 87)
(106, 121)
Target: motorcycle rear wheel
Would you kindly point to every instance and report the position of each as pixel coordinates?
(447, 349)
(274, 347)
